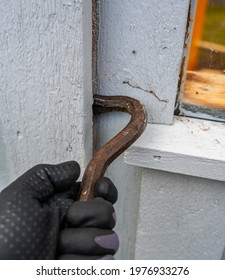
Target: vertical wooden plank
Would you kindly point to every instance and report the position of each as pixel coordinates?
(181, 218)
(140, 52)
(45, 94)
(140, 49)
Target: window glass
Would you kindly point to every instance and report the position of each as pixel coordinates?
(204, 89)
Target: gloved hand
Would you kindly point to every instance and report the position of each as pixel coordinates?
(40, 220)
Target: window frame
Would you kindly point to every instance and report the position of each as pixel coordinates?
(192, 145)
(187, 109)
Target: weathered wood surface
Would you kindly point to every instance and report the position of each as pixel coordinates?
(45, 93)
(205, 88)
(141, 45)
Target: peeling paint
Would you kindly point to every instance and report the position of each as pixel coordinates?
(187, 41)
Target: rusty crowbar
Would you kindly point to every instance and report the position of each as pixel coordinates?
(118, 144)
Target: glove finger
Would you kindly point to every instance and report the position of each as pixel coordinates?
(69, 195)
(64, 175)
(88, 241)
(94, 213)
(62, 204)
(106, 189)
(85, 257)
(64, 200)
(43, 180)
(73, 191)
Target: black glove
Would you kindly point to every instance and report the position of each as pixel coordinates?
(40, 220)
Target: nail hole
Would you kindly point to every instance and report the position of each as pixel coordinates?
(157, 157)
(19, 135)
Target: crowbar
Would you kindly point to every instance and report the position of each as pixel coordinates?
(118, 144)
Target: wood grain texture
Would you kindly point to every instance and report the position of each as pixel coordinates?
(181, 218)
(140, 52)
(205, 88)
(140, 49)
(45, 94)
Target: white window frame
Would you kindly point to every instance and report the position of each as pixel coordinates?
(190, 146)
(194, 147)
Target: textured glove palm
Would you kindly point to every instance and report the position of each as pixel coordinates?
(40, 220)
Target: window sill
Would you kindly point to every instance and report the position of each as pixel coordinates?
(190, 146)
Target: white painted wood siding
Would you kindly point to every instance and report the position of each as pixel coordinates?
(140, 53)
(180, 218)
(140, 49)
(45, 93)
